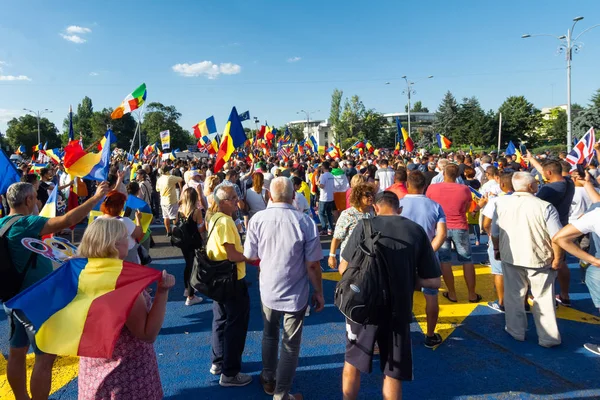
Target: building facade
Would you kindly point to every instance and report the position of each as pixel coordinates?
(318, 128)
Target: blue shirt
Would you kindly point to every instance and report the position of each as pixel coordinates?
(439, 178)
(284, 240)
(424, 211)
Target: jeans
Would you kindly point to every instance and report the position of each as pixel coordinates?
(326, 214)
(284, 370)
(188, 256)
(476, 231)
(229, 329)
(462, 243)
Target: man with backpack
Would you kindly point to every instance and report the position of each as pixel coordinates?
(403, 256)
(21, 268)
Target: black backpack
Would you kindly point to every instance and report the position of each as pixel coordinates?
(363, 294)
(11, 280)
(185, 234)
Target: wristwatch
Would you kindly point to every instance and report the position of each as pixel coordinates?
(332, 255)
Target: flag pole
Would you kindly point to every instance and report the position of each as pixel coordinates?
(499, 133)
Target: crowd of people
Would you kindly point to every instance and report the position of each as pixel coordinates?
(271, 214)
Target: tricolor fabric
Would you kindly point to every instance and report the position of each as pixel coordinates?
(37, 167)
(8, 172)
(233, 137)
(205, 127)
(403, 135)
(84, 165)
(37, 147)
(55, 155)
(49, 209)
(312, 144)
(443, 142)
(21, 150)
(86, 303)
(510, 149)
(210, 143)
(132, 203)
(132, 102)
(369, 147)
(583, 151)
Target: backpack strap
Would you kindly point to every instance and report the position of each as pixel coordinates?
(9, 224)
(212, 229)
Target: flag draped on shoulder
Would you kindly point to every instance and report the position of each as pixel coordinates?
(86, 303)
(132, 102)
(233, 137)
(583, 151)
(205, 127)
(94, 166)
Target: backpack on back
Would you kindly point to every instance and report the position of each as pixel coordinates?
(484, 178)
(11, 280)
(363, 294)
(185, 234)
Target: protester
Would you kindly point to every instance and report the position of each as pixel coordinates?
(230, 319)
(132, 372)
(167, 186)
(300, 202)
(257, 196)
(455, 199)
(21, 198)
(409, 254)
(340, 186)
(399, 186)
(287, 243)
(439, 178)
(473, 216)
(384, 177)
(356, 180)
(326, 199)
(522, 230)
(145, 186)
(361, 201)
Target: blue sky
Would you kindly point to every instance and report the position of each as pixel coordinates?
(275, 58)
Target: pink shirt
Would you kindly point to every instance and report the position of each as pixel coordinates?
(455, 200)
(348, 193)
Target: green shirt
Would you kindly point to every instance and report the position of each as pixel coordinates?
(29, 226)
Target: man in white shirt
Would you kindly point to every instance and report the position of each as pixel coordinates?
(384, 176)
(486, 161)
(326, 203)
(492, 187)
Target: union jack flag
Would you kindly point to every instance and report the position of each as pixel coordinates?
(583, 151)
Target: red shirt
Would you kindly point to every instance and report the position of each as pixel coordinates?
(455, 200)
(399, 189)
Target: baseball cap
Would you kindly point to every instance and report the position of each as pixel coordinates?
(412, 167)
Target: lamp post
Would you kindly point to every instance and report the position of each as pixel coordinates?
(567, 45)
(307, 113)
(38, 115)
(408, 92)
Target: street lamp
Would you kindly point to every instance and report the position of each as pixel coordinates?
(567, 45)
(410, 91)
(38, 115)
(307, 113)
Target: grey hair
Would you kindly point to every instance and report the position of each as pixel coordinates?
(522, 181)
(18, 192)
(222, 192)
(442, 162)
(282, 190)
(486, 159)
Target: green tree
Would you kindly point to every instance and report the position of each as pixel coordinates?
(336, 109)
(297, 132)
(446, 116)
(416, 107)
(595, 100)
(588, 118)
(473, 125)
(520, 121)
(159, 117)
(352, 116)
(372, 127)
(23, 131)
(82, 121)
(554, 127)
(123, 128)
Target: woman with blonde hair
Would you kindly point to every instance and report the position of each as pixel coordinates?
(209, 187)
(192, 226)
(355, 181)
(132, 372)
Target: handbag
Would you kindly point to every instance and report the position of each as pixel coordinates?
(144, 255)
(214, 279)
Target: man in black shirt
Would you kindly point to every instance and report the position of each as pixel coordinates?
(412, 261)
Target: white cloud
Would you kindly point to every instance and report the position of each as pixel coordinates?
(294, 59)
(207, 68)
(77, 29)
(73, 38)
(7, 115)
(14, 78)
(94, 73)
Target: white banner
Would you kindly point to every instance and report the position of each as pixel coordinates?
(165, 139)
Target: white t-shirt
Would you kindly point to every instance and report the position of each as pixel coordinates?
(326, 192)
(300, 203)
(491, 187)
(589, 222)
(580, 204)
(385, 176)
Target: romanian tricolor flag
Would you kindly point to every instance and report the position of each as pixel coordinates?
(369, 147)
(233, 137)
(132, 102)
(86, 304)
(21, 150)
(55, 155)
(133, 203)
(334, 151)
(443, 142)
(49, 209)
(113, 139)
(37, 147)
(312, 144)
(92, 166)
(403, 135)
(205, 127)
(37, 167)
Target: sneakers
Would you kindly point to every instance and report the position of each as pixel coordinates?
(307, 312)
(193, 300)
(594, 348)
(494, 305)
(215, 369)
(432, 341)
(268, 386)
(323, 233)
(329, 232)
(186, 293)
(235, 381)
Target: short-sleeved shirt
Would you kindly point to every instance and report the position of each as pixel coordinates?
(284, 240)
(165, 185)
(385, 176)
(425, 212)
(224, 231)
(399, 189)
(595, 234)
(589, 223)
(455, 200)
(328, 181)
(28, 226)
(560, 195)
(406, 247)
(346, 223)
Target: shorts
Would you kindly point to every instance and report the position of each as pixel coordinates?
(462, 243)
(592, 281)
(495, 264)
(169, 211)
(395, 349)
(19, 336)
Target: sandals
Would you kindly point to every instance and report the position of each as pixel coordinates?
(445, 294)
(477, 299)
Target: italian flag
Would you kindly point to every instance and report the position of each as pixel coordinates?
(132, 102)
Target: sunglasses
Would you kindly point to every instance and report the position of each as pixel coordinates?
(369, 194)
